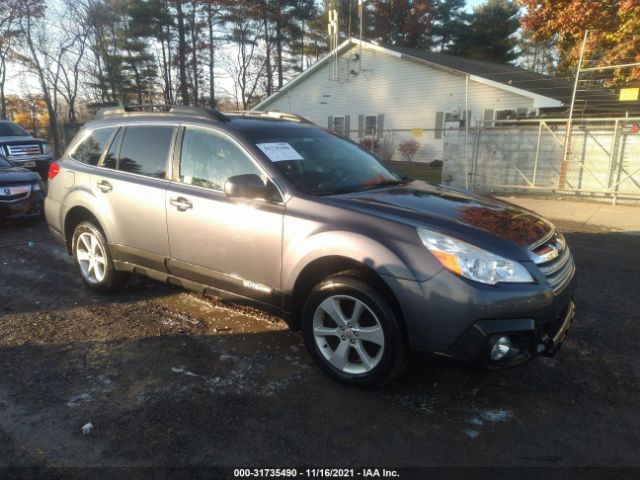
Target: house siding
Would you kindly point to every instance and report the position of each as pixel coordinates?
(407, 92)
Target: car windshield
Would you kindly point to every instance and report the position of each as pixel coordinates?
(8, 129)
(4, 163)
(322, 163)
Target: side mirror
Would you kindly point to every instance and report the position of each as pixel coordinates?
(245, 186)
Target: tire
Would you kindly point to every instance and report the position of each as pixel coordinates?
(93, 260)
(339, 347)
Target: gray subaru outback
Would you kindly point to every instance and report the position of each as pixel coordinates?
(269, 210)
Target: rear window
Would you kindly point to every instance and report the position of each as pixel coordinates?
(90, 149)
(8, 129)
(145, 150)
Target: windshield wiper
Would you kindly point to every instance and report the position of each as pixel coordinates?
(387, 183)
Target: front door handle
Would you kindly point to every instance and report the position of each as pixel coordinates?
(181, 203)
(104, 186)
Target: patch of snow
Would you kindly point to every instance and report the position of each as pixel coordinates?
(497, 415)
(79, 399)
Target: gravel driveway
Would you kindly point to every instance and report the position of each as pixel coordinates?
(172, 378)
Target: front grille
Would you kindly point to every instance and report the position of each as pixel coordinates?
(19, 151)
(14, 193)
(558, 269)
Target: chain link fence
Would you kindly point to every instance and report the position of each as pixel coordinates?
(603, 158)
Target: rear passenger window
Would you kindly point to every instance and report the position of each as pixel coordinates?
(90, 149)
(208, 160)
(111, 158)
(145, 150)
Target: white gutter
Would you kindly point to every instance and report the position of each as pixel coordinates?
(539, 101)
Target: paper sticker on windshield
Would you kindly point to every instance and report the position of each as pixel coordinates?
(279, 152)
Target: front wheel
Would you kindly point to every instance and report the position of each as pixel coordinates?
(352, 332)
(93, 259)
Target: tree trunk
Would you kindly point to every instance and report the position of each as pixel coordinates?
(212, 91)
(279, 41)
(3, 79)
(268, 52)
(194, 53)
(169, 76)
(46, 94)
(182, 47)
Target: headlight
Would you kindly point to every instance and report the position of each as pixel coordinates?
(473, 262)
(46, 149)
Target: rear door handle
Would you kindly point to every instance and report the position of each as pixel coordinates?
(181, 203)
(104, 186)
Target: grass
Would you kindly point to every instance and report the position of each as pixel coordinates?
(418, 171)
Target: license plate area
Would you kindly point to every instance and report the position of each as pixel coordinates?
(29, 164)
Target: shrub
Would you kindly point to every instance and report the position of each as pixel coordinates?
(370, 144)
(409, 148)
(385, 151)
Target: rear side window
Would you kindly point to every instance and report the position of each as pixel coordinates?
(90, 149)
(145, 150)
(111, 158)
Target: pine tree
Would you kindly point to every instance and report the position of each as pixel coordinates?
(490, 35)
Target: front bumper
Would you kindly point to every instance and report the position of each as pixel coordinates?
(528, 338)
(453, 318)
(32, 206)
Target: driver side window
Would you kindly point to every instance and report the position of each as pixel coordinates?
(208, 160)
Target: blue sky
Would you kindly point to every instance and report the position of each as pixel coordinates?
(473, 3)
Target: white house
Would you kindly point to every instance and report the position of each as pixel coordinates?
(391, 94)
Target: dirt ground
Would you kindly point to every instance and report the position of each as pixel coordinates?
(171, 378)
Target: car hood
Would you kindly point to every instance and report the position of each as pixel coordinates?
(17, 174)
(17, 139)
(423, 204)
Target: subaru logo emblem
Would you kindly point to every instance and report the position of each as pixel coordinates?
(7, 191)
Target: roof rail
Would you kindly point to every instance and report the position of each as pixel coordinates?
(273, 114)
(145, 109)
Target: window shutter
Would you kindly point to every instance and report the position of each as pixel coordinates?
(439, 121)
(330, 123)
(347, 126)
(467, 119)
(380, 126)
(360, 126)
(488, 118)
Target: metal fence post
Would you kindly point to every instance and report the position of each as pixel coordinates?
(535, 163)
(613, 160)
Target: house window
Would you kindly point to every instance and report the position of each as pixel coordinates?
(370, 125)
(455, 120)
(339, 125)
(511, 114)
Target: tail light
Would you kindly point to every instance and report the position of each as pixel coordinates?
(54, 169)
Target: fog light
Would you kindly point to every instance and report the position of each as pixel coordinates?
(500, 349)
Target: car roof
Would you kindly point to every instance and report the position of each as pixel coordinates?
(242, 121)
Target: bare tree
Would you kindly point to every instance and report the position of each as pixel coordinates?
(37, 58)
(9, 15)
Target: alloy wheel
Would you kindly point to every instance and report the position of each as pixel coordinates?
(348, 334)
(91, 257)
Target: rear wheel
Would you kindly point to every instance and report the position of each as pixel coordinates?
(352, 332)
(93, 260)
